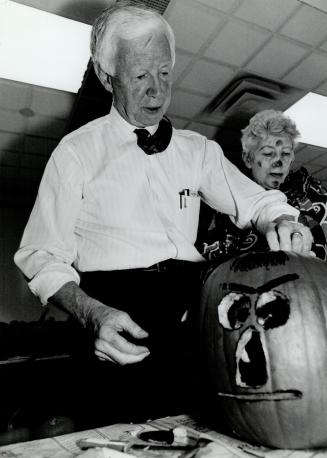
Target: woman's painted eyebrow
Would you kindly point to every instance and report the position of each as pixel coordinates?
(272, 147)
(266, 146)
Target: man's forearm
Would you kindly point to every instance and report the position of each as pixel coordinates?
(75, 301)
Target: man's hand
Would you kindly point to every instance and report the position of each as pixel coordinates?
(288, 235)
(110, 345)
(107, 324)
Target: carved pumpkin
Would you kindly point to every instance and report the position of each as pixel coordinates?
(264, 348)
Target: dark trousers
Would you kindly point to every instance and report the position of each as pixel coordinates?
(162, 384)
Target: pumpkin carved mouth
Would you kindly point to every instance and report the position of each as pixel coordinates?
(279, 395)
(251, 371)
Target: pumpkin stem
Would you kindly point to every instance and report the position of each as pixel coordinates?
(53, 421)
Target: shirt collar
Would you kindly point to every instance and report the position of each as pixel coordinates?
(125, 126)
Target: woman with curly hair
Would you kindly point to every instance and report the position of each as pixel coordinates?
(268, 144)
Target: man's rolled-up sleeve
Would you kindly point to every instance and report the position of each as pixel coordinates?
(229, 191)
(48, 247)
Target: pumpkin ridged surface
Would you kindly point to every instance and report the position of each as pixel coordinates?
(295, 351)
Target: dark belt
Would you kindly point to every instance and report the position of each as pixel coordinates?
(171, 265)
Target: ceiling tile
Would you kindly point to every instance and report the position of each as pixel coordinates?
(322, 89)
(307, 25)
(10, 158)
(308, 153)
(222, 5)
(236, 43)
(30, 174)
(14, 95)
(265, 12)
(300, 146)
(276, 58)
(45, 127)
(57, 104)
(181, 63)
(323, 46)
(39, 145)
(213, 79)
(321, 174)
(309, 73)
(311, 168)
(178, 123)
(204, 129)
(34, 161)
(320, 4)
(187, 105)
(320, 160)
(12, 121)
(11, 141)
(200, 24)
(8, 173)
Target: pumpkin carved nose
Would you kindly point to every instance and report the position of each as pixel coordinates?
(251, 366)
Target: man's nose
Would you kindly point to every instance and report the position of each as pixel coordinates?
(154, 88)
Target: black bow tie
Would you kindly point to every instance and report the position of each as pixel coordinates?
(158, 142)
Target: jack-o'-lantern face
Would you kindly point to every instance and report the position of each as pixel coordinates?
(256, 310)
(264, 348)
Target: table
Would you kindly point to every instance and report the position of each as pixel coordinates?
(222, 446)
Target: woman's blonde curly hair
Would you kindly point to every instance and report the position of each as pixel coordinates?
(264, 124)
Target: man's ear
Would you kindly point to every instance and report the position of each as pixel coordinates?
(104, 78)
(109, 84)
(247, 159)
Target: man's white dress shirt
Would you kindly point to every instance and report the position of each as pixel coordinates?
(103, 204)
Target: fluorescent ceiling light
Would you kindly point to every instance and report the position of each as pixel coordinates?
(310, 117)
(41, 48)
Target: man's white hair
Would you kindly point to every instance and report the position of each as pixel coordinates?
(123, 20)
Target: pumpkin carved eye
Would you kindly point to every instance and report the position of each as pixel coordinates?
(234, 310)
(272, 309)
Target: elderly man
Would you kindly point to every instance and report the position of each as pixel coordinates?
(111, 236)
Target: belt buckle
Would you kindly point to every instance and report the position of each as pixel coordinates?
(161, 267)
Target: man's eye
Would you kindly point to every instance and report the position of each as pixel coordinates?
(142, 76)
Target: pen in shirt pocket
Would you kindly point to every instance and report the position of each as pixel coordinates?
(183, 198)
(184, 195)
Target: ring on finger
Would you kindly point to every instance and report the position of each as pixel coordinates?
(297, 233)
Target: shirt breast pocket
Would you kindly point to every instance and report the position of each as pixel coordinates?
(188, 214)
